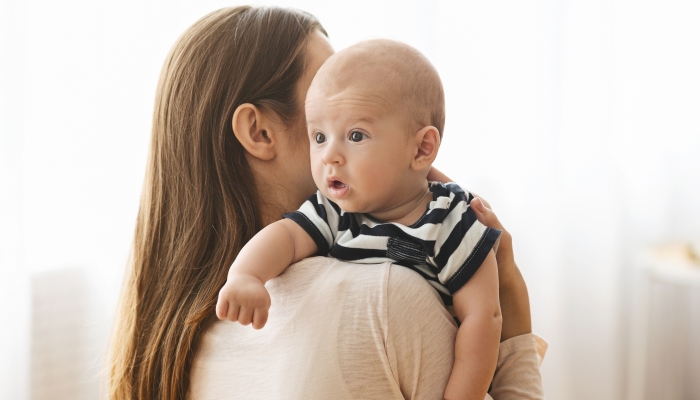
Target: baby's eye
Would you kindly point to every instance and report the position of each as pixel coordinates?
(320, 137)
(357, 136)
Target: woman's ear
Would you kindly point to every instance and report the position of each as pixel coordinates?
(254, 130)
(427, 145)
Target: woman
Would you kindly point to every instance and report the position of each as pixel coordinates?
(229, 155)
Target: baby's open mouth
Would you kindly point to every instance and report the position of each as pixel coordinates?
(338, 184)
(337, 188)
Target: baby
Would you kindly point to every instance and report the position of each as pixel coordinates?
(375, 114)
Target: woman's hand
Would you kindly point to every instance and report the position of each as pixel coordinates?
(515, 302)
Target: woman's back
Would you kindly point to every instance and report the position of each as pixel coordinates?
(335, 330)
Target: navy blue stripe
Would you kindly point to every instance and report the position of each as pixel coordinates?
(352, 253)
(438, 215)
(455, 239)
(335, 207)
(444, 189)
(454, 188)
(474, 261)
(319, 207)
(310, 228)
(346, 221)
(446, 299)
(389, 230)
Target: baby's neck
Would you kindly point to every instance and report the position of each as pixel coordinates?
(408, 210)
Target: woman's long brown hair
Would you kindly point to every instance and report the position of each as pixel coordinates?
(199, 205)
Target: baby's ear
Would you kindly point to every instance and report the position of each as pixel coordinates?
(427, 144)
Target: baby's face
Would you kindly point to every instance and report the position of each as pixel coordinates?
(361, 148)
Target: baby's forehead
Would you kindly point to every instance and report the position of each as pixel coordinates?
(360, 90)
(395, 73)
(384, 65)
(388, 68)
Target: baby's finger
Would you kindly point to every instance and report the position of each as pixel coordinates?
(245, 316)
(232, 314)
(221, 308)
(259, 318)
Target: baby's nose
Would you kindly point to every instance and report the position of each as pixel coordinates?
(332, 154)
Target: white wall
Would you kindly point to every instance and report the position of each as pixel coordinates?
(576, 119)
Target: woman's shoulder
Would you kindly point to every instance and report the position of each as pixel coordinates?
(388, 292)
(326, 316)
(386, 287)
(329, 278)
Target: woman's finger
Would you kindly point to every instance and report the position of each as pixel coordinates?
(478, 204)
(486, 203)
(484, 214)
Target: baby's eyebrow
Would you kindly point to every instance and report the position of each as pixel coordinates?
(349, 120)
(361, 119)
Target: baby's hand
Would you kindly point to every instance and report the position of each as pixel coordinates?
(244, 299)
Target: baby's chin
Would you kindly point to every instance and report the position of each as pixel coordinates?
(347, 205)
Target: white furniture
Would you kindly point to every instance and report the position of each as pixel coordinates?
(68, 336)
(664, 348)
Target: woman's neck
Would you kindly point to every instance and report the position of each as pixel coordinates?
(270, 213)
(274, 200)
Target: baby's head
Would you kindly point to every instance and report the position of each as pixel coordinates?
(375, 113)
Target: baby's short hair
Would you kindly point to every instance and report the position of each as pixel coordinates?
(399, 68)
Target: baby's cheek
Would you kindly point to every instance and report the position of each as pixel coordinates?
(318, 178)
(379, 177)
(316, 164)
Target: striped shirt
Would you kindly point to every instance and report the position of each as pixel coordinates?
(446, 245)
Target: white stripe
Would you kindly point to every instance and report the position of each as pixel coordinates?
(460, 255)
(425, 269)
(333, 217)
(423, 232)
(438, 232)
(372, 260)
(308, 209)
(345, 239)
(364, 220)
(449, 223)
(439, 287)
(442, 202)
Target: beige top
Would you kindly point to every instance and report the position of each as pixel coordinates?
(349, 331)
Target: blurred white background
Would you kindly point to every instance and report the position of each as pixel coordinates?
(581, 120)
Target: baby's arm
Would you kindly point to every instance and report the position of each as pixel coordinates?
(476, 348)
(244, 297)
